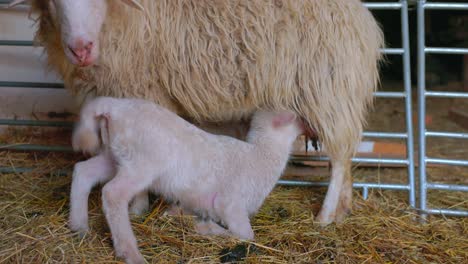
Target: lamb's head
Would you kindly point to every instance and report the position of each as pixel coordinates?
(278, 125)
(79, 23)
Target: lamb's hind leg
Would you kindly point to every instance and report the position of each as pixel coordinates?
(238, 222)
(208, 227)
(337, 201)
(86, 175)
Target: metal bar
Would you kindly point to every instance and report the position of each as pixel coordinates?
(10, 122)
(390, 94)
(453, 162)
(447, 187)
(20, 7)
(446, 134)
(33, 147)
(9, 170)
(365, 193)
(380, 6)
(421, 106)
(385, 135)
(446, 94)
(446, 212)
(5, 2)
(392, 51)
(19, 43)
(408, 102)
(439, 50)
(388, 186)
(32, 85)
(29, 43)
(446, 6)
(15, 170)
(361, 160)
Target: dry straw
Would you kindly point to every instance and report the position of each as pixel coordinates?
(34, 211)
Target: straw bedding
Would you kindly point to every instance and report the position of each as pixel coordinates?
(382, 229)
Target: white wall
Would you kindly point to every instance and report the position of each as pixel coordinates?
(26, 64)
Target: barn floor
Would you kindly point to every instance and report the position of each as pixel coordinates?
(382, 229)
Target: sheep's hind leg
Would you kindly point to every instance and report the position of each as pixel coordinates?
(86, 175)
(345, 202)
(337, 193)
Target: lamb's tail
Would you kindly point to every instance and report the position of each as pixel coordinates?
(91, 133)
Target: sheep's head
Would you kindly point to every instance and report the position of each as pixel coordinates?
(80, 23)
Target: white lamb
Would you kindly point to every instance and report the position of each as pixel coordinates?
(143, 146)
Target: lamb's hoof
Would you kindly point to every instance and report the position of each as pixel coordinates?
(135, 259)
(243, 234)
(130, 256)
(175, 210)
(138, 208)
(81, 233)
(248, 236)
(202, 229)
(208, 228)
(80, 228)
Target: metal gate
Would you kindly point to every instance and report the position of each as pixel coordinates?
(405, 95)
(424, 184)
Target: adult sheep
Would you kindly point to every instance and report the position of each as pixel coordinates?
(214, 60)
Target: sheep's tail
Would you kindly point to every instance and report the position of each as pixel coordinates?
(92, 131)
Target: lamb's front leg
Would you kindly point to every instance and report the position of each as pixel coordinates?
(116, 196)
(86, 175)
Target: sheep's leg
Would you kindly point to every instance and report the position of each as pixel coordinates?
(346, 196)
(328, 212)
(86, 175)
(140, 203)
(116, 196)
(208, 227)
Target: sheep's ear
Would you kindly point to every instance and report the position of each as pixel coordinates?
(134, 4)
(15, 2)
(283, 119)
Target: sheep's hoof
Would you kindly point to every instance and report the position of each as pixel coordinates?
(341, 214)
(325, 219)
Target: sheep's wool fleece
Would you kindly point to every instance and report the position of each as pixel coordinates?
(215, 60)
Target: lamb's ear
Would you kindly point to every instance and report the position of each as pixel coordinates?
(15, 2)
(282, 119)
(134, 4)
